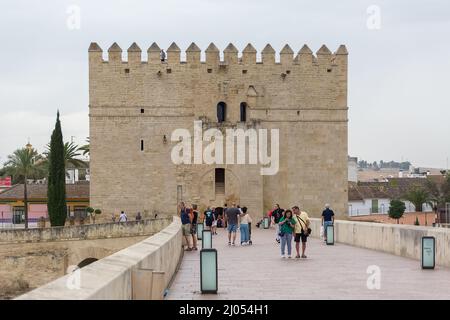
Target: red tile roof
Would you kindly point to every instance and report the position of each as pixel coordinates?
(39, 191)
(393, 188)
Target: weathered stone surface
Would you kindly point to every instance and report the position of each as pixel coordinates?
(308, 105)
(110, 277)
(333, 272)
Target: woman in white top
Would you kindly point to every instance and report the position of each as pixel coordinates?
(245, 231)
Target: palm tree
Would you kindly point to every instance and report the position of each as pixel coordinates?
(23, 164)
(86, 148)
(439, 193)
(71, 155)
(418, 196)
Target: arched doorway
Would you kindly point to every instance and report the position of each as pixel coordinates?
(86, 262)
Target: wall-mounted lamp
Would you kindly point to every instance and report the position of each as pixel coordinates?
(164, 139)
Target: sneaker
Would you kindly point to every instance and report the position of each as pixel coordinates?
(297, 257)
(289, 257)
(303, 256)
(189, 249)
(283, 256)
(229, 243)
(233, 244)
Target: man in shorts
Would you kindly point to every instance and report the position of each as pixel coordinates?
(185, 224)
(231, 217)
(301, 230)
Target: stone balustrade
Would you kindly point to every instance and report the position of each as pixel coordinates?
(86, 232)
(115, 277)
(401, 240)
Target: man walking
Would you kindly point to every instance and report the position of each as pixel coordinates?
(193, 218)
(231, 217)
(327, 220)
(301, 230)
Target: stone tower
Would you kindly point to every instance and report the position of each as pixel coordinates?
(135, 106)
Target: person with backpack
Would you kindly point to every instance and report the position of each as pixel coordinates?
(216, 218)
(209, 218)
(287, 225)
(276, 215)
(302, 230)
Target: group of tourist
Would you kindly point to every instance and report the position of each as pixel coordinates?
(232, 218)
(290, 224)
(295, 224)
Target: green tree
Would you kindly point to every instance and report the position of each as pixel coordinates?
(439, 193)
(23, 164)
(396, 209)
(85, 148)
(56, 188)
(418, 196)
(71, 155)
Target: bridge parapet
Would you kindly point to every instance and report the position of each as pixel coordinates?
(86, 232)
(400, 240)
(111, 277)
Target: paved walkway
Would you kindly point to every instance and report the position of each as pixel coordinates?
(329, 272)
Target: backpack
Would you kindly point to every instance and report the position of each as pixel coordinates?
(277, 214)
(209, 216)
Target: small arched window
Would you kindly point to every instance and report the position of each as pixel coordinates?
(243, 111)
(221, 112)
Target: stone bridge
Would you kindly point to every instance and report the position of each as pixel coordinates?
(38, 256)
(341, 271)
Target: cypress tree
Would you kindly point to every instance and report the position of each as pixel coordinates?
(56, 192)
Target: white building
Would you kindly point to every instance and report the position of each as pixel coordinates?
(366, 198)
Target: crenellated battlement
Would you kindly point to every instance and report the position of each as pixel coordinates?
(231, 55)
(137, 105)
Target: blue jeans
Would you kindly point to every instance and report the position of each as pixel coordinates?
(232, 228)
(325, 224)
(286, 239)
(245, 235)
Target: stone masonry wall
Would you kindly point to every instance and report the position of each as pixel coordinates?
(305, 97)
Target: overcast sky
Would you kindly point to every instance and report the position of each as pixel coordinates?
(399, 61)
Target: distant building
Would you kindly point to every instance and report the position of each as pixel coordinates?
(365, 198)
(74, 175)
(12, 208)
